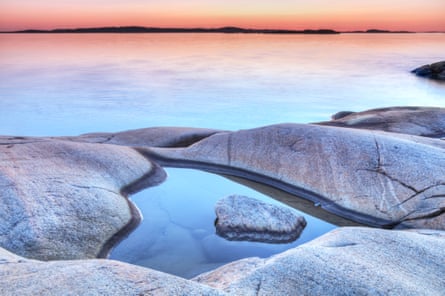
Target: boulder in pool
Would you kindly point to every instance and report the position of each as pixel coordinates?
(242, 218)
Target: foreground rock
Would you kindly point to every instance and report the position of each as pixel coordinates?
(420, 121)
(242, 218)
(352, 261)
(370, 177)
(346, 261)
(66, 200)
(433, 71)
(19, 276)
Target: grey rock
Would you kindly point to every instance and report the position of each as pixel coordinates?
(341, 114)
(370, 177)
(20, 276)
(433, 71)
(152, 137)
(346, 261)
(242, 218)
(67, 200)
(420, 121)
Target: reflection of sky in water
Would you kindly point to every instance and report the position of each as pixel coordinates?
(107, 82)
(177, 234)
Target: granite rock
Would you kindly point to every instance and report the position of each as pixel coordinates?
(420, 121)
(151, 137)
(433, 71)
(20, 276)
(242, 218)
(346, 261)
(67, 200)
(370, 177)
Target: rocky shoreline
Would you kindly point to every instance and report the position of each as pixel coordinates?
(65, 198)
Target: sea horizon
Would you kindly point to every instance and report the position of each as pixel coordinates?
(223, 29)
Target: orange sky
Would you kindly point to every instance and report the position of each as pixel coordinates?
(413, 15)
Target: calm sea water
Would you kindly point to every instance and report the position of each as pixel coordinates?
(73, 84)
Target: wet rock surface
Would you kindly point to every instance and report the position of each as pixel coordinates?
(371, 177)
(67, 200)
(433, 71)
(20, 276)
(419, 121)
(346, 261)
(243, 218)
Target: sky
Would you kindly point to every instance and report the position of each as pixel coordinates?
(341, 15)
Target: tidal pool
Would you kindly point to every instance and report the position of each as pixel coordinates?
(177, 233)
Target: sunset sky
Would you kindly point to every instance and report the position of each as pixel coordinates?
(413, 15)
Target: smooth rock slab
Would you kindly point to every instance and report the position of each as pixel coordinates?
(370, 177)
(152, 137)
(20, 276)
(242, 218)
(346, 261)
(67, 200)
(419, 121)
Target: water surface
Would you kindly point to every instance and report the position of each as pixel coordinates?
(59, 84)
(177, 234)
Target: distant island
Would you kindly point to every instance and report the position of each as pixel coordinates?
(135, 29)
(225, 30)
(378, 31)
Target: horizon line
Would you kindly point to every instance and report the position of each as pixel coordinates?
(224, 29)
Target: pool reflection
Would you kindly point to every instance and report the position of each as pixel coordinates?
(177, 233)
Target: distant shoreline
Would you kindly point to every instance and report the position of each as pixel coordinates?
(225, 30)
(134, 29)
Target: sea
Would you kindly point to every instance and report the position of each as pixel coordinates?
(70, 84)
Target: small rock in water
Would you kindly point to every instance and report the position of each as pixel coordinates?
(433, 71)
(243, 218)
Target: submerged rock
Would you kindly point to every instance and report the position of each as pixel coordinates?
(242, 218)
(346, 261)
(67, 200)
(433, 71)
(371, 177)
(420, 121)
(20, 276)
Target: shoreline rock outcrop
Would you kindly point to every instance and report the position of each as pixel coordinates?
(418, 121)
(67, 200)
(433, 71)
(242, 218)
(371, 177)
(149, 137)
